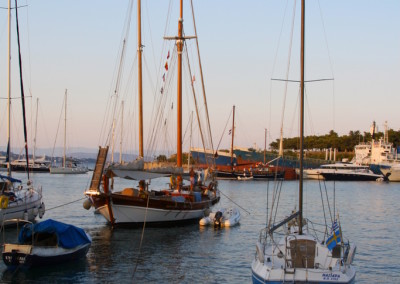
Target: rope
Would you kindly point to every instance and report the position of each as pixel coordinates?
(66, 204)
(141, 238)
(219, 143)
(235, 202)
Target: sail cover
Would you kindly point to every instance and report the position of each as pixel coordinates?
(68, 236)
(136, 175)
(10, 178)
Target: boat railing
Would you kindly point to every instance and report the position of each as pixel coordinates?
(7, 222)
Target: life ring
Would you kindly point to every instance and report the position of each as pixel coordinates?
(3, 202)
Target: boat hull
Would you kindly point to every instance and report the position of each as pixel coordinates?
(298, 277)
(22, 168)
(43, 256)
(230, 218)
(350, 177)
(72, 171)
(391, 174)
(156, 212)
(27, 208)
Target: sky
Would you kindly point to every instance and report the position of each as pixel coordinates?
(75, 45)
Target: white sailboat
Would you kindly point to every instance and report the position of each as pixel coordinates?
(299, 256)
(71, 166)
(177, 204)
(18, 200)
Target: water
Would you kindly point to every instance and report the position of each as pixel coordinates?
(191, 254)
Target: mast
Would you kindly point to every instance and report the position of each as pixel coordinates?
(9, 89)
(140, 51)
(190, 141)
(34, 139)
(122, 128)
(65, 127)
(301, 116)
(21, 81)
(233, 135)
(179, 45)
(265, 145)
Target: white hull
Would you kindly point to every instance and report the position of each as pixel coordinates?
(270, 267)
(312, 174)
(61, 170)
(27, 206)
(244, 178)
(135, 214)
(231, 217)
(392, 174)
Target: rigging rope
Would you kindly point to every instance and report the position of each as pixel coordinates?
(219, 143)
(66, 204)
(234, 202)
(141, 238)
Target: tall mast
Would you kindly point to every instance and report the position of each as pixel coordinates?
(302, 54)
(233, 135)
(34, 138)
(65, 127)
(265, 145)
(122, 132)
(139, 50)
(179, 45)
(190, 141)
(9, 89)
(21, 83)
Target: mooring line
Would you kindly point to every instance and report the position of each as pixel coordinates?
(66, 204)
(234, 202)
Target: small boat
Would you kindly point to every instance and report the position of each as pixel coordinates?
(222, 218)
(244, 177)
(348, 172)
(45, 243)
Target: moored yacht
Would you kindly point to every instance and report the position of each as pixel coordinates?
(348, 172)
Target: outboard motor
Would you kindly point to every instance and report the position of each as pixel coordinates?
(218, 219)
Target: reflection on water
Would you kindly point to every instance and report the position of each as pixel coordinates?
(193, 254)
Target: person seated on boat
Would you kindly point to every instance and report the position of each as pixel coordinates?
(172, 181)
(192, 178)
(142, 192)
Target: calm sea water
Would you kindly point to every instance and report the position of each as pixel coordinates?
(369, 217)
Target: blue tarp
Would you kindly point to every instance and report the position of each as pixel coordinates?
(69, 236)
(10, 178)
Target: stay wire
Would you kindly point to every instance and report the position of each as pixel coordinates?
(234, 202)
(141, 238)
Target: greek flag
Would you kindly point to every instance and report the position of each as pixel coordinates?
(336, 236)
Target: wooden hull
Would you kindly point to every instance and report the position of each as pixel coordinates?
(156, 211)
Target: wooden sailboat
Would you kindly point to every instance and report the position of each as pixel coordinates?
(18, 200)
(176, 204)
(299, 256)
(72, 166)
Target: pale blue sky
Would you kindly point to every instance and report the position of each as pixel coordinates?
(74, 45)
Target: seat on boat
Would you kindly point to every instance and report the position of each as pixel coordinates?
(302, 253)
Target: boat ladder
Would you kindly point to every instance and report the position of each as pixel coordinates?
(99, 168)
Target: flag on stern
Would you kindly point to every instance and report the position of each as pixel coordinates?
(336, 236)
